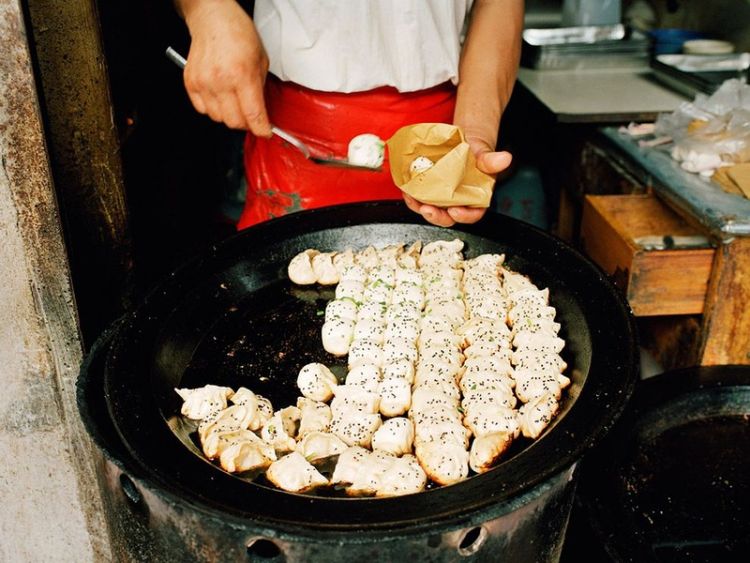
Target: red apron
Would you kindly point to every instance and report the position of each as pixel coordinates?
(280, 180)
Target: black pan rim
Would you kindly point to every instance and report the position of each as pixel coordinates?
(596, 495)
(572, 435)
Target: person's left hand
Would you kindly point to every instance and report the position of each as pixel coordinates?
(489, 162)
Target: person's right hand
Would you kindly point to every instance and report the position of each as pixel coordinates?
(226, 66)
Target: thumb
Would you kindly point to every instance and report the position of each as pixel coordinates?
(493, 162)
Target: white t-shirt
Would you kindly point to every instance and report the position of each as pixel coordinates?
(358, 45)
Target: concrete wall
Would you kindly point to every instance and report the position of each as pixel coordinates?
(48, 488)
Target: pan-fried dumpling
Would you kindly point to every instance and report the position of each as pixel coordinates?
(369, 329)
(403, 476)
(372, 311)
(388, 255)
(487, 450)
(423, 397)
(381, 275)
(365, 351)
(300, 269)
(496, 363)
(443, 432)
(367, 258)
(409, 259)
(350, 289)
(345, 309)
(337, 335)
(316, 382)
(349, 465)
(343, 260)
(405, 329)
(488, 398)
(366, 376)
(314, 417)
(354, 273)
(259, 404)
(356, 429)
(395, 349)
(395, 397)
(535, 415)
(395, 436)
(407, 275)
(372, 469)
(487, 421)
(325, 272)
(476, 381)
(538, 360)
(295, 474)
(320, 445)
(444, 463)
(533, 384)
(400, 369)
(236, 417)
(203, 401)
(354, 399)
(244, 451)
(538, 342)
(281, 430)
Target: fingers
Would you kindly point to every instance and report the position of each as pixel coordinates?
(431, 214)
(466, 214)
(493, 162)
(253, 108)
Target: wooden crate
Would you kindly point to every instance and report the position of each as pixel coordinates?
(619, 232)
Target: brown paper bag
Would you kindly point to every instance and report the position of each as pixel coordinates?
(453, 180)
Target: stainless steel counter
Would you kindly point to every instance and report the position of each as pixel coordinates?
(725, 215)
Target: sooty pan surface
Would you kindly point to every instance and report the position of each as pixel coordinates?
(231, 317)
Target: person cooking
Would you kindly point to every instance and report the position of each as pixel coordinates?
(329, 70)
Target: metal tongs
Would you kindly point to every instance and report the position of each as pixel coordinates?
(180, 61)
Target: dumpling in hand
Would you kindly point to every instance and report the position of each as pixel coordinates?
(300, 269)
(316, 382)
(320, 445)
(203, 401)
(295, 474)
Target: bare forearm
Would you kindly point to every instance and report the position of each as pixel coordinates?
(488, 67)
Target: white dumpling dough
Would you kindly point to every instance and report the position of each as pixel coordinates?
(349, 465)
(356, 429)
(300, 268)
(281, 430)
(320, 445)
(354, 399)
(395, 436)
(325, 272)
(395, 397)
(404, 476)
(314, 417)
(535, 415)
(366, 376)
(316, 382)
(444, 463)
(257, 403)
(203, 402)
(366, 150)
(245, 451)
(295, 474)
(337, 335)
(487, 450)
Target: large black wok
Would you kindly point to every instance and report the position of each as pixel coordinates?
(231, 317)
